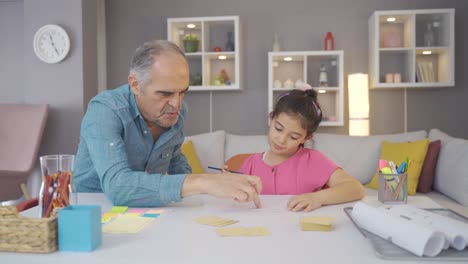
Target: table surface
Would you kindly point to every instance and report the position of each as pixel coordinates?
(176, 238)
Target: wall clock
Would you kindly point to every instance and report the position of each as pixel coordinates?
(51, 43)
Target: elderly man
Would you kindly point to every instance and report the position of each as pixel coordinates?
(131, 136)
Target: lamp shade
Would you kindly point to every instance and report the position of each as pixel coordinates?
(358, 101)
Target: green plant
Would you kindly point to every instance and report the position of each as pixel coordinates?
(190, 37)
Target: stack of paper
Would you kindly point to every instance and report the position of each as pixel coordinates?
(316, 223)
(214, 221)
(243, 231)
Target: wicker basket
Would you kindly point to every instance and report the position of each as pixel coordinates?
(20, 234)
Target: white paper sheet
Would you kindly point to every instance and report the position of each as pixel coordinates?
(418, 239)
(456, 232)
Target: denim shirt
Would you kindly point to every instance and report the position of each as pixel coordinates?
(117, 155)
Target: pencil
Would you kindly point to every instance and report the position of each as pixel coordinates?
(219, 169)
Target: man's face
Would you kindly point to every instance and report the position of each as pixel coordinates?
(161, 100)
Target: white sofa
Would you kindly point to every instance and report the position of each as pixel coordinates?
(358, 156)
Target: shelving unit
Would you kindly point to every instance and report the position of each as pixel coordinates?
(214, 53)
(418, 46)
(305, 66)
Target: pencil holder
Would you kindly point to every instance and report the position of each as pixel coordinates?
(79, 228)
(57, 185)
(393, 188)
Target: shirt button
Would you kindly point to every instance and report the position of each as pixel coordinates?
(145, 132)
(111, 144)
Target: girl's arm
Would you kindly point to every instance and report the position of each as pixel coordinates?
(343, 188)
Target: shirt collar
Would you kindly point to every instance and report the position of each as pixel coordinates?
(133, 106)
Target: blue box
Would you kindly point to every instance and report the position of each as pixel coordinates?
(79, 228)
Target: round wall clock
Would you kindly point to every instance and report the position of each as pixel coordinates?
(51, 43)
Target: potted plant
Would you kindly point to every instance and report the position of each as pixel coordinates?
(190, 43)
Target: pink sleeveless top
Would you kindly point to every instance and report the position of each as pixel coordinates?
(306, 171)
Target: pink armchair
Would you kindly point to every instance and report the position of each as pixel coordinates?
(21, 129)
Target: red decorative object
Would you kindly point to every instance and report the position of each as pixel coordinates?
(217, 49)
(329, 42)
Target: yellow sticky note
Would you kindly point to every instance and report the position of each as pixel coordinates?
(243, 231)
(119, 209)
(126, 224)
(316, 223)
(110, 215)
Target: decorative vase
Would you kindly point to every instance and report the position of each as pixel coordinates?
(191, 45)
(329, 42)
(288, 84)
(276, 45)
(429, 36)
(230, 42)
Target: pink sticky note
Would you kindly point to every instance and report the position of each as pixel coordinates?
(382, 164)
(137, 210)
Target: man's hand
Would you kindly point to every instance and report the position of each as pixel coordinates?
(241, 187)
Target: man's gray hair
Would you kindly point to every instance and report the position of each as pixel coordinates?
(145, 56)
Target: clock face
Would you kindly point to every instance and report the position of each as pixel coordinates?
(51, 43)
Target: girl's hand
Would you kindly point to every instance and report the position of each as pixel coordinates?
(306, 202)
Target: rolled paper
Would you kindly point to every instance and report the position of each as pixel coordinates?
(456, 232)
(420, 240)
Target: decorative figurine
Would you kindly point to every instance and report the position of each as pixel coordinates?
(323, 78)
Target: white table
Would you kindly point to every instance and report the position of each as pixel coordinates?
(176, 238)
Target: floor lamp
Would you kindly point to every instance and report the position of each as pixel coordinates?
(358, 101)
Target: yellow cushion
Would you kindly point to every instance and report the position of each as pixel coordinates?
(398, 152)
(189, 152)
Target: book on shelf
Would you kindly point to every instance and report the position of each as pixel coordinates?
(425, 71)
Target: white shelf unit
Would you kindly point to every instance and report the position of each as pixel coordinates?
(419, 45)
(211, 32)
(305, 66)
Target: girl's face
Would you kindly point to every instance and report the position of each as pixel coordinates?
(286, 134)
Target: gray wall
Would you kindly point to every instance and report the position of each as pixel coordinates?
(66, 86)
(301, 25)
(11, 52)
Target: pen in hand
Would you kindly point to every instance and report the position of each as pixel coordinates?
(219, 169)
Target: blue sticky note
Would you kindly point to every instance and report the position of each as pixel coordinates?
(151, 215)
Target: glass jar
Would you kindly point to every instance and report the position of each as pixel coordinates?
(57, 184)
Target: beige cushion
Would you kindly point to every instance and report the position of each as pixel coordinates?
(451, 177)
(209, 148)
(236, 144)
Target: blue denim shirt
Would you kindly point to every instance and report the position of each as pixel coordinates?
(117, 154)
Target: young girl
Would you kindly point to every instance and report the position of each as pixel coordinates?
(289, 168)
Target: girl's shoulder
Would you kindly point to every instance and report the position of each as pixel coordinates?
(254, 157)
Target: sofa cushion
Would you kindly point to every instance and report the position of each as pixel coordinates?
(450, 177)
(399, 152)
(210, 148)
(427, 172)
(236, 144)
(192, 158)
(359, 156)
